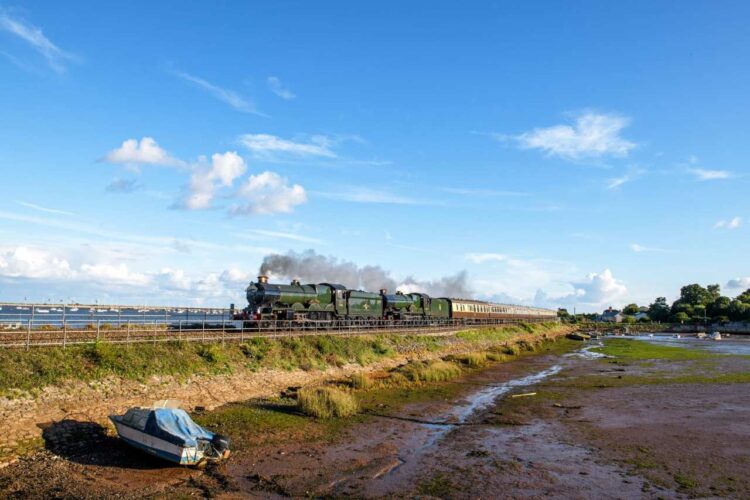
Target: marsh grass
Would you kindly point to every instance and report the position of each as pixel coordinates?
(431, 371)
(471, 360)
(326, 402)
(640, 349)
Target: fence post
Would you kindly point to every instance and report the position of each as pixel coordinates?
(127, 338)
(65, 334)
(154, 341)
(223, 331)
(179, 331)
(28, 335)
(98, 325)
(203, 335)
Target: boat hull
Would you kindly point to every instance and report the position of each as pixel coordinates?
(158, 447)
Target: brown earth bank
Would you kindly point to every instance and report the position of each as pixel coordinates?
(30, 420)
(578, 427)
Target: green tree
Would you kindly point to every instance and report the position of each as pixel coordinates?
(719, 307)
(681, 317)
(744, 296)
(563, 313)
(694, 295)
(631, 309)
(628, 319)
(714, 291)
(738, 310)
(659, 310)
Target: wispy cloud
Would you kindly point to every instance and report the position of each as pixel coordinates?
(366, 195)
(279, 88)
(44, 209)
(229, 97)
(730, 224)
(118, 185)
(637, 248)
(591, 135)
(266, 145)
(280, 235)
(482, 192)
(629, 176)
(33, 36)
(710, 175)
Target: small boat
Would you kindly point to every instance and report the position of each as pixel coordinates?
(701, 335)
(651, 335)
(74, 309)
(43, 311)
(676, 336)
(578, 336)
(716, 336)
(168, 432)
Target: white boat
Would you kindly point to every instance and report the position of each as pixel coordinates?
(716, 336)
(42, 311)
(168, 432)
(701, 335)
(73, 309)
(676, 336)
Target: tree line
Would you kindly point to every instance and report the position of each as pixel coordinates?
(696, 304)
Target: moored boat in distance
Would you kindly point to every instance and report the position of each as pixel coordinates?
(168, 432)
(716, 336)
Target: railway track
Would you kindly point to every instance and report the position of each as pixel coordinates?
(27, 335)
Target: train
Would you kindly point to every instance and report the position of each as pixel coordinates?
(330, 303)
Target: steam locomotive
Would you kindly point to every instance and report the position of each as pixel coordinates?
(330, 302)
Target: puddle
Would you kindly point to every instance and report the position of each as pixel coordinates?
(587, 353)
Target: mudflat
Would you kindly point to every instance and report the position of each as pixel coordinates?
(646, 421)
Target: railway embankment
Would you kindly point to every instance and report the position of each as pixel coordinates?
(42, 388)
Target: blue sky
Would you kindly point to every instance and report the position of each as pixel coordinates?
(580, 154)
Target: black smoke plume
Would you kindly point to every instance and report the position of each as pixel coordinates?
(310, 267)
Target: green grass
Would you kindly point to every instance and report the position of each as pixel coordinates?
(642, 350)
(431, 371)
(471, 360)
(26, 372)
(326, 402)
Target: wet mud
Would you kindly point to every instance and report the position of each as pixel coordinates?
(549, 425)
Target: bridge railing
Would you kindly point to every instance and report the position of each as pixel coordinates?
(31, 333)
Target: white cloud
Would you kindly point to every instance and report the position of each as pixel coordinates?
(269, 193)
(480, 258)
(282, 235)
(266, 145)
(206, 180)
(55, 56)
(597, 289)
(710, 175)
(730, 224)
(145, 152)
(229, 97)
(116, 273)
(641, 248)
(739, 283)
(366, 195)
(44, 209)
(23, 261)
(279, 88)
(592, 135)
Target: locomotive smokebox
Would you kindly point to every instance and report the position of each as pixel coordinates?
(383, 291)
(263, 279)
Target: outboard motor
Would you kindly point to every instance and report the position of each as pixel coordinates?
(220, 444)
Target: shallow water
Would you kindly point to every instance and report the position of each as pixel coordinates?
(727, 345)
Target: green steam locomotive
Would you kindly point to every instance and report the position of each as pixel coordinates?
(330, 302)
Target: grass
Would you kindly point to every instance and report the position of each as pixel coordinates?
(326, 402)
(642, 350)
(471, 360)
(361, 381)
(25, 372)
(430, 371)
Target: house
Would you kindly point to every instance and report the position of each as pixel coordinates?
(610, 316)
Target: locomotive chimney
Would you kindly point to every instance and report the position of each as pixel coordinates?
(262, 279)
(295, 282)
(383, 291)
